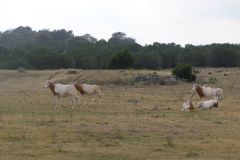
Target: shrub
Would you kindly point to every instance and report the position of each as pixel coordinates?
(121, 60)
(196, 71)
(184, 71)
(193, 77)
(21, 70)
(212, 80)
(72, 71)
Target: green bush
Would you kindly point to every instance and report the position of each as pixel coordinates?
(184, 71)
(121, 60)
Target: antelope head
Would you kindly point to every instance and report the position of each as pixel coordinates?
(194, 88)
(47, 83)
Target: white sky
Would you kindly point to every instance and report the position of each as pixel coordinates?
(165, 21)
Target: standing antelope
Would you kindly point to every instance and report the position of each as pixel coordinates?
(208, 92)
(61, 90)
(87, 88)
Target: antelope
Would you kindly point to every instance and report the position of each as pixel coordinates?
(88, 89)
(208, 104)
(208, 92)
(188, 105)
(61, 90)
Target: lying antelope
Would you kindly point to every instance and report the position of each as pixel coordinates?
(189, 106)
(208, 92)
(61, 90)
(208, 104)
(87, 88)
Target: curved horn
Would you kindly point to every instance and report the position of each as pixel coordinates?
(192, 96)
(77, 77)
(53, 74)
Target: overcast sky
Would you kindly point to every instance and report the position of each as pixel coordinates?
(165, 21)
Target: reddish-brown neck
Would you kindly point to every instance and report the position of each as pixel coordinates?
(79, 88)
(52, 87)
(200, 91)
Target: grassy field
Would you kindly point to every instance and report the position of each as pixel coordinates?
(134, 121)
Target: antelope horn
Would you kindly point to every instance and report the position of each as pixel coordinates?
(77, 77)
(54, 74)
(192, 96)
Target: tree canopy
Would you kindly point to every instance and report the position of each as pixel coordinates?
(121, 60)
(45, 49)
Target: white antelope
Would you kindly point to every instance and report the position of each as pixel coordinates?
(208, 92)
(61, 90)
(188, 105)
(208, 104)
(87, 89)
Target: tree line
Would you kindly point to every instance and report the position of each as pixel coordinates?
(45, 49)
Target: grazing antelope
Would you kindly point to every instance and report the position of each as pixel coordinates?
(87, 88)
(208, 92)
(208, 104)
(61, 90)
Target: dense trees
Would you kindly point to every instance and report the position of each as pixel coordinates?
(44, 49)
(121, 60)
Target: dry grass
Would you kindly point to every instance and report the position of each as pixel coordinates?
(133, 122)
